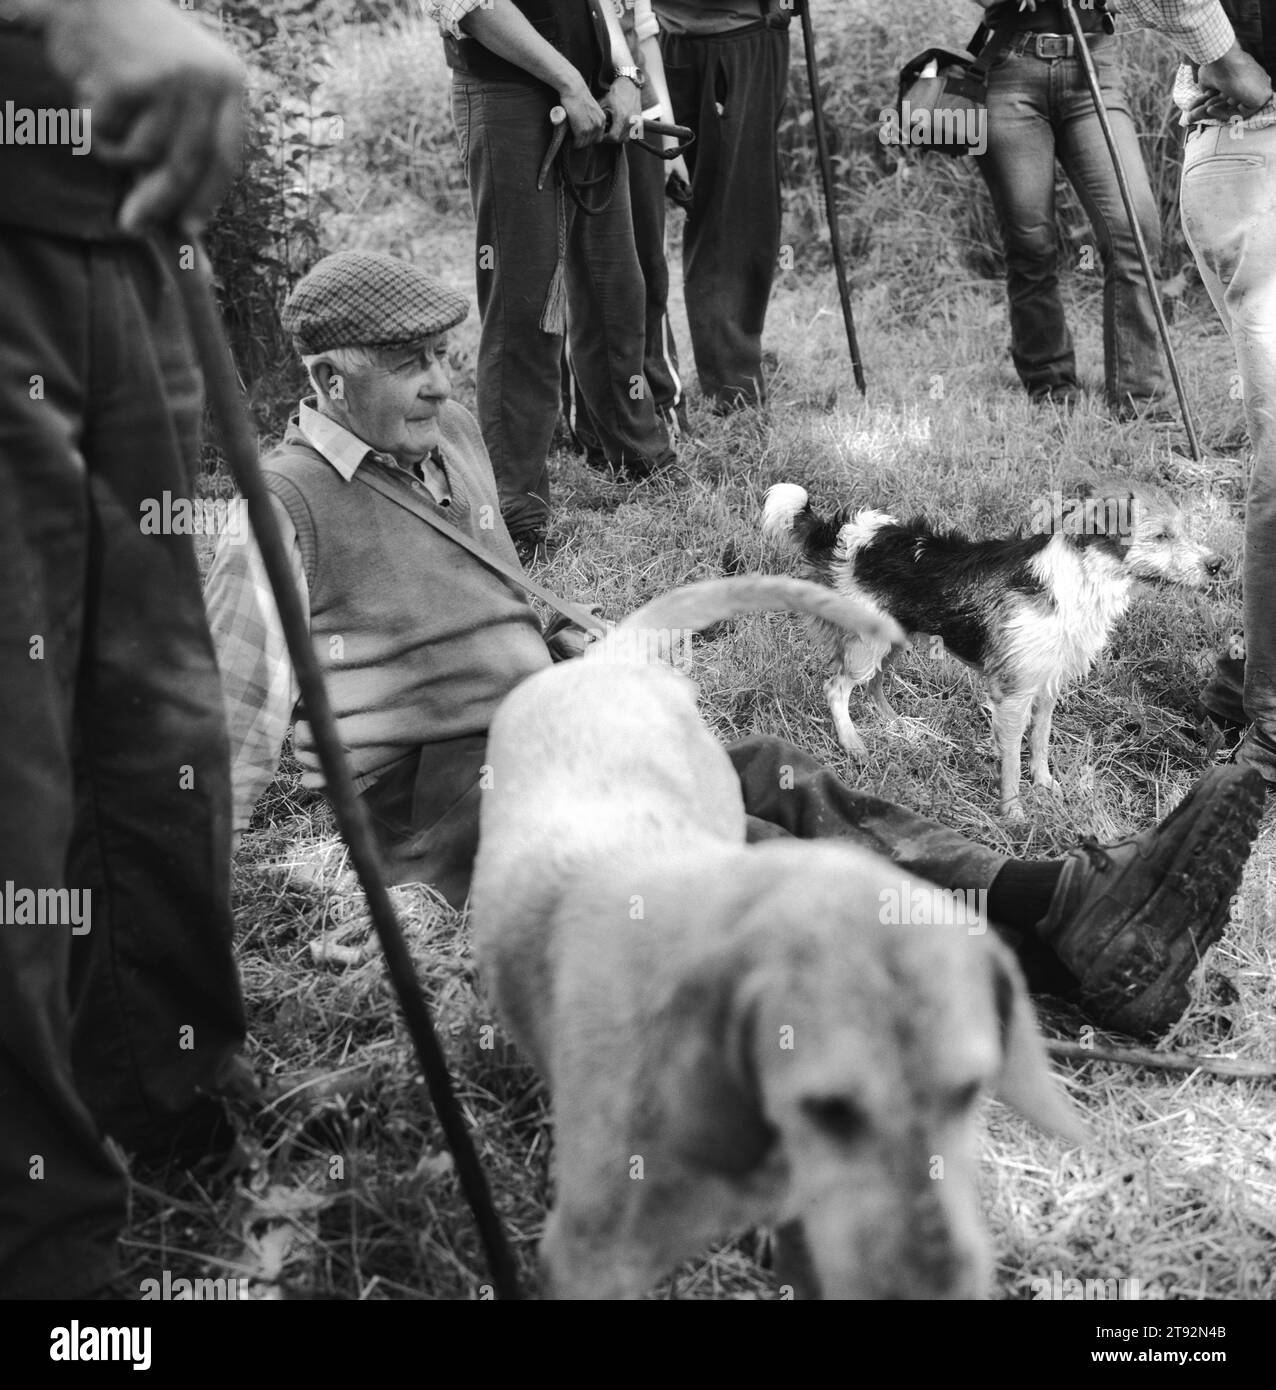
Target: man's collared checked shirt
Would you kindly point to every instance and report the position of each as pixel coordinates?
(448, 14)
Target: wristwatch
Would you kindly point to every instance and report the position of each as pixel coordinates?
(634, 74)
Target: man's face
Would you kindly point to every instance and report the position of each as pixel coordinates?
(393, 405)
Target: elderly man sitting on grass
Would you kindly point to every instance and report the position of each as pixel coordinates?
(420, 639)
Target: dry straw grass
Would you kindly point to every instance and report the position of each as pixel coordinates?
(347, 1192)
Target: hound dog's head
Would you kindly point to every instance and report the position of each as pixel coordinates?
(843, 1065)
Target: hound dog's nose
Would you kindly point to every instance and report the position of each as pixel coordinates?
(1213, 565)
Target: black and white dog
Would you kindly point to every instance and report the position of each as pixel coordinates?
(1029, 613)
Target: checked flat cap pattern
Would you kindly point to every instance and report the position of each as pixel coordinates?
(368, 299)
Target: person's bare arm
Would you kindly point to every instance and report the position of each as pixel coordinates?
(164, 97)
(503, 29)
(622, 101)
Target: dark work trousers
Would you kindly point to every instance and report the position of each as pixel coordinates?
(663, 380)
(730, 88)
(503, 129)
(425, 813)
(114, 767)
(786, 792)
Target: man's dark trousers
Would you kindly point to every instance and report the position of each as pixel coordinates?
(114, 767)
(730, 88)
(504, 129)
(431, 838)
(647, 175)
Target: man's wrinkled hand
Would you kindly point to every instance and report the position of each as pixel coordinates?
(165, 98)
(623, 104)
(1233, 85)
(569, 641)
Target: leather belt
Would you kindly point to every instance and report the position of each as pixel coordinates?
(1048, 46)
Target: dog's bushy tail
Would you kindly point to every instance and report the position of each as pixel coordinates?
(788, 519)
(655, 629)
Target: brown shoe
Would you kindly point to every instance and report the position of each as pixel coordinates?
(1132, 920)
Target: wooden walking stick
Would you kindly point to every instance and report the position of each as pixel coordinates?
(830, 194)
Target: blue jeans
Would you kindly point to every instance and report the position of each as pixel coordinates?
(1040, 110)
(1229, 217)
(503, 129)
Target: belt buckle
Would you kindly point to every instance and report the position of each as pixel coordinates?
(1055, 45)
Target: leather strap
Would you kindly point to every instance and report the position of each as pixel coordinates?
(984, 51)
(573, 612)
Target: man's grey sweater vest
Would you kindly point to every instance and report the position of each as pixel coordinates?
(418, 640)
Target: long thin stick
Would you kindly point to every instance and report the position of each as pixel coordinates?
(830, 196)
(1092, 77)
(351, 814)
(1163, 1061)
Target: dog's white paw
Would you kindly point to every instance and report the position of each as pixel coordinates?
(853, 745)
(1013, 810)
(1044, 779)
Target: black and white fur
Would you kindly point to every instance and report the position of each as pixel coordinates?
(1029, 613)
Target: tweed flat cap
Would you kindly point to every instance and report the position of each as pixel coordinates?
(367, 299)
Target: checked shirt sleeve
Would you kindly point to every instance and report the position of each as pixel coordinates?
(1199, 27)
(259, 689)
(448, 14)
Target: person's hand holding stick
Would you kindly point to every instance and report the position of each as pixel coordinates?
(165, 99)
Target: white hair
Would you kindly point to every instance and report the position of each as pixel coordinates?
(344, 359)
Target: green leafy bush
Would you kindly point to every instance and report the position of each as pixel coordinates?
(391, 88)
(267, 232)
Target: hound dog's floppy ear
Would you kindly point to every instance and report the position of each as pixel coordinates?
(1026, 1082)
(704, 1101)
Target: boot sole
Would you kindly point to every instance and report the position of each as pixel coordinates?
(1145, 976)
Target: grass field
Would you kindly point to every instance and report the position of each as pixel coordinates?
(344, 1190)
